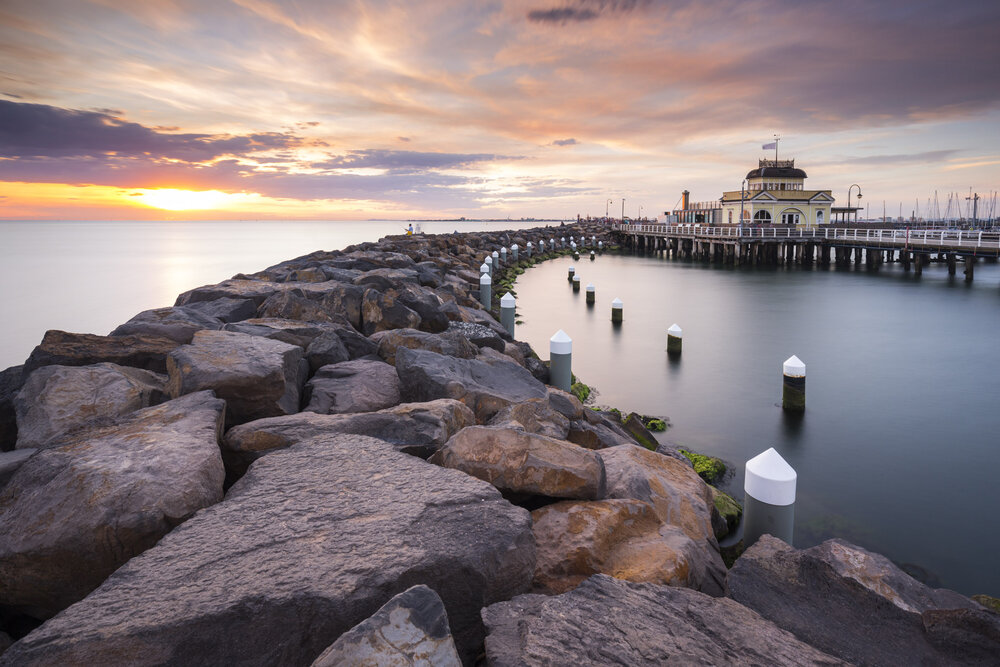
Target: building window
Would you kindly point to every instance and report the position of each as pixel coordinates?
(819, 217)
(730, 217)
(762, 217)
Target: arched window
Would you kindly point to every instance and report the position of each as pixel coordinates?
(819, 217)
(762, 217)
(746, 215)
(730, 217)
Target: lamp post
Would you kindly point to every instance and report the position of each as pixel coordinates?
(623, 210)
(606, 209)
(640, 212)
(853, 185)
(743, 193)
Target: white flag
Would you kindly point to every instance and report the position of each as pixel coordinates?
(770, 146)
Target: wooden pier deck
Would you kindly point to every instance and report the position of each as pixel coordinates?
(914, 248)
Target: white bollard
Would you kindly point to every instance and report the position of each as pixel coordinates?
(576, 283)
(562, 242)
(616, 311)
(769, 500)
(507, 305)
(496, 260)
(489, 264)
(571, 272)
(485, 268)
(527, 249)
(793, 394)
(674, 338)
(541, 246)
(591, 294)
(593, 240)
(600, 246)
(592, 256)
(513, 252)
(503, 256)
(561, 360)
(486, 291)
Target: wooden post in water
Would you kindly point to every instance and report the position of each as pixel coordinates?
(970, 266)
(674, 339)
(571, 273)
(793, 395)
(507, 305)
(576, 283)
(591, 294)
(769, 498)
(616, 311)
(561, 360)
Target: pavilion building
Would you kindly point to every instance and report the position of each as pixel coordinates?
(776, 195)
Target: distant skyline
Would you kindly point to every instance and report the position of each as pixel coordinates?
(262, 109)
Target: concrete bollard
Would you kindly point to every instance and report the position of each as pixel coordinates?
(561, 360)
(616, 310)
(674, 336)
(486, 291)
(600, 246)
(489, 264)
(503, 256)
(485, 268)
(571, 272)
(527, 249)
(591, 294)
(552, 245)
(593, 241)
(572, 245)
(562, 242)
(592, 255)
(514, 251)
(576, 283)
(541, 246)
(496, 260)
(576, 256)
(769, 498)
(507, 304)
(793, 394)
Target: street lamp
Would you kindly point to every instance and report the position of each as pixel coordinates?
(623, 210)
(640, 212)
(853, 185)
(606, 208)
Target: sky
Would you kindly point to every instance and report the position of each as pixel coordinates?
(321, 109)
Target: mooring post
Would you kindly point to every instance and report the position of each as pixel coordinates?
(593, 241)
(503, 256)
(496, 260)
(600, 246)
(970, 267)
(484, 269)
(527, 249)
(486, 291)
(576, 283)
(562, 241)
(769, 498)
(616, 311)
(561, 360)
(489, 264)
(507, 305)
(592, 255)
(541, 246)
(793, 395)
(513, 252)
(571, 273)
(674, 339)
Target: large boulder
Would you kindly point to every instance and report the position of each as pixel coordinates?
(361, 385)
(381, 311)
(534, 416)
(621, 538)
(481, 335)
(176, 323)
(859, 606)
(294, 305)
(410, 629)
(11, 380)
(449, 344)
(607, 621)
(225, 308)
(73, 513)
(312, 541)
(10, 462)
(256, 291)
(486, 388)
(524, 463)
(596, 436)
(57, 399)
(258, 377)
(73, 349)
(414, 428)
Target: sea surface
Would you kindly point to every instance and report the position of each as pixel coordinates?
(899, 447)
(89, 277)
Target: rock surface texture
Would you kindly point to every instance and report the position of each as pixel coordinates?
(411, 629)
(606, 621)
(869, 611)
(75, 512)
(312, 541)
(361, 385)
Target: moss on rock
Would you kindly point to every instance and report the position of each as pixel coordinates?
(988, 601)
(708, 468)
(656, 425)
(728, 508)
(580, 390)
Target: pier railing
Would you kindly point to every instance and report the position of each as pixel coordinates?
(930, 238)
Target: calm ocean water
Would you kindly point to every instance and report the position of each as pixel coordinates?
(899, 448)
(89, 277)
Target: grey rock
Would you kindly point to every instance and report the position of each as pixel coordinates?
(58, 399)
(414, 428)
(596, 436)
(11, 380)
(346, 300)
(425, 303)
(258, 377)
(312, 541)
(385, 279)
(381, 311)
(293, 305)
(176, 323)
(450, 344)
(410, 629)
(524, 463)
(859, 606)
(565, 403)
(256, 291)
(352, 386)
(534, 416)
(479, 334)
(226, 309)
(72, 514)
(486, 388)
(607, 621)
(340, 275)
(11, 461)
(293, 332)
(73, 349)
(324, 349)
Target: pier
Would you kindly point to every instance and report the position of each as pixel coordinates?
(913, 248)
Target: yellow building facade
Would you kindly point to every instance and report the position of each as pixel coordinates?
(775, 194)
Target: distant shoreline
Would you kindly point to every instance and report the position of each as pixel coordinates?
(487, 220)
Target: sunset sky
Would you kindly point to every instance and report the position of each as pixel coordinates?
(310, 109)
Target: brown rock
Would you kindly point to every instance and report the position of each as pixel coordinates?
(72, 349)
(534, 416)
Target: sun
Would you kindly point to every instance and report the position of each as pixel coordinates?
(187, 200)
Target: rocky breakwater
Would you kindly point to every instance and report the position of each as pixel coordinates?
(345, 459)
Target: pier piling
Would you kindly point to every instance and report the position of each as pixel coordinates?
(561, 360)
(616, 311)
(769, 498)
(793, 395)
(674, 339)
(591, 294)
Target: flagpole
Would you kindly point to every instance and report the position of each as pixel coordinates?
(776, 140)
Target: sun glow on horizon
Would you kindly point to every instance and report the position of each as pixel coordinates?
(171, 199)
